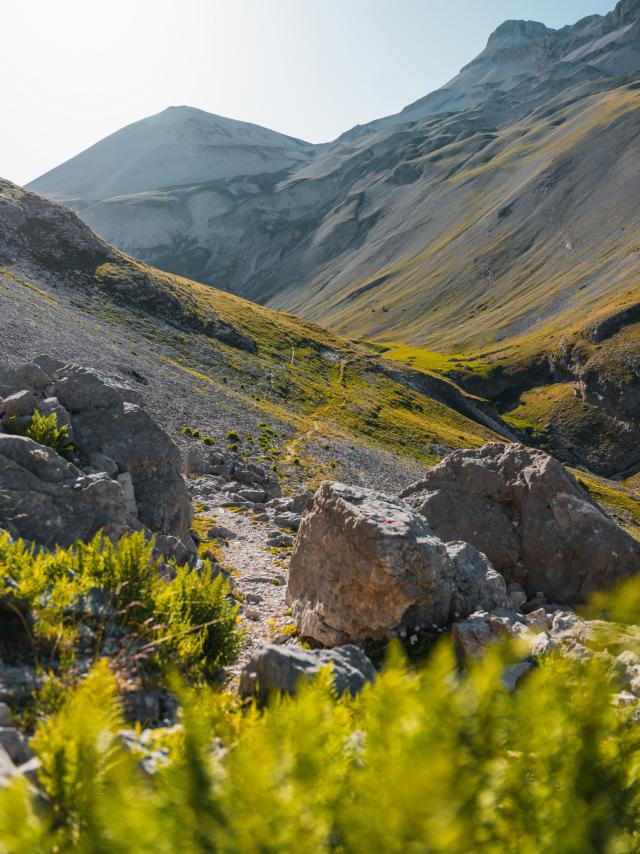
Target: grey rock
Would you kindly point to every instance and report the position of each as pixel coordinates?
(219, 532)
(52, 406)
(565, 623)
(95, 602)
(20, 681)
(195, 462)
(126, 482)
(139, 447)
(256, 496)
(8, 769)
(629, 658)
(250, 475)
(517, 595)
(365, 564)
(515, 673)
(530, 516)
(19, 404)
(81, 389)
(542, 645)
(174, 548)
(287, 519)
(5, 715)
(296, 504)
(279, 540)
(15, 744)
(51, 502)
(49, 364)
(27, 376)
(476, 583)
(276, 668)
(224, 471)
(102, 462)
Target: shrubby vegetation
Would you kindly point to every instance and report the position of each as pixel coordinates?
(422, 761)
(44, 430)
(116, 593)
(426, 759)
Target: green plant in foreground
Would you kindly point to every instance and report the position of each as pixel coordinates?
(422, 761)
(44, 430)
(115, 589)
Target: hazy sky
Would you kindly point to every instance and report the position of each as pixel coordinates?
(73, 71)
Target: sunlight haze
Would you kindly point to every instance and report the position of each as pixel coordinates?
(76, 71)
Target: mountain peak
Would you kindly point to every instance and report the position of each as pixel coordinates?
(529, 30)
(626, 11)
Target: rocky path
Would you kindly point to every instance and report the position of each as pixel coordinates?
(255, 549)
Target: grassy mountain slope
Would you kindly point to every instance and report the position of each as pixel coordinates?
(215, 362)
(313, 404)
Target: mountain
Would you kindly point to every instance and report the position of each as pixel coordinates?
(177, 147)
(162, 179)
(208, 360)
(486, 232)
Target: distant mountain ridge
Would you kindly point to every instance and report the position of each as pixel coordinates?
(503, 202)
(179, 146)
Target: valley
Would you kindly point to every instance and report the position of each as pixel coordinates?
(320, 470)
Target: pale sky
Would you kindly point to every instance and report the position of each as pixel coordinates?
(74, 71)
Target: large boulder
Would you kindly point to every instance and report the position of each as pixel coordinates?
(105, 425)
(48, 500)
(111, 433)
(364, 565)
(537, 525)
(278, 668)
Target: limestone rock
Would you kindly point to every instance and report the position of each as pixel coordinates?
(529, 515)
(365, 564)
(139, 447)
(81, 389)
(29, 376)
(50, 501)
(476, 583)
(18, 404)
(277, 668)
(52, 406)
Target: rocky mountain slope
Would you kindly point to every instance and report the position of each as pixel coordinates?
(162, 180)
(219, 365)
(493, 222)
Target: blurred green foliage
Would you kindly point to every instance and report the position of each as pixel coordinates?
(422, 761)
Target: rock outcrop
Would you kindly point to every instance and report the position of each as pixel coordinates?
(125, 474)
(277, 668)
(50, 501)
(530, 516)
(364, 565)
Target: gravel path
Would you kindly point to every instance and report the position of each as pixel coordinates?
(239, 539)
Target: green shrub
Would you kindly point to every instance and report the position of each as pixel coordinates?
(44, 430)
(421, 761)
(187, 431)
(118, 591)
(233, 436)
(208, 440)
